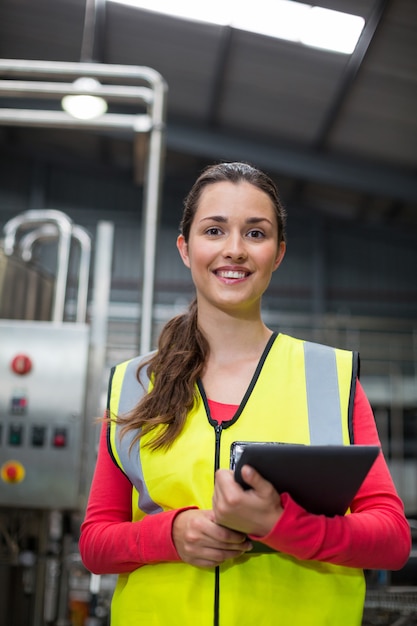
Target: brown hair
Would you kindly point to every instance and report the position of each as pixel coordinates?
(182, 348)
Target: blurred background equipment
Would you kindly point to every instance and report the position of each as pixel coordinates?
(54, 309)
(51, 371)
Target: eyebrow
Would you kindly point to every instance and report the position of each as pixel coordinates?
(223, 220)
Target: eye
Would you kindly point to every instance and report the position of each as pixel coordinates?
(213, 231)
(255, 234)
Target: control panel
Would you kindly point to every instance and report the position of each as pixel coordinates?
(43, 379)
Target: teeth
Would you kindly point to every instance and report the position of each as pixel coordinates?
(231, 274)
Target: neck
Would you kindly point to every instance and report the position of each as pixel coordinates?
(229, 336)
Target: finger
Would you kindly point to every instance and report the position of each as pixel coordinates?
(225, 487)
(224, 479)
(208, 552)
(212, 557)
(255, 480)
(197, 537)
(226, 536)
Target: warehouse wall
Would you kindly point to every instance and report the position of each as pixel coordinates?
(336, 266)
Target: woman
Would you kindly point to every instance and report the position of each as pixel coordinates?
(174, 524)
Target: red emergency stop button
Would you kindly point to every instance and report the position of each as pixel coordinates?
(21, 364)
(12, 472)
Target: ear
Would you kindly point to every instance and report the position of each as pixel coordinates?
(183, 250)
(281, 253)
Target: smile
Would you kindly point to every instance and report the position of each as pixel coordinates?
(231, 274)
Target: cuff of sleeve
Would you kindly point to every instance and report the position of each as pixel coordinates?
(155, 539)
(294, 533)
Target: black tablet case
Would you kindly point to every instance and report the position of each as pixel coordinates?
(321, 479)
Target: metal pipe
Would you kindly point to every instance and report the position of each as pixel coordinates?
(39, 69)
(43, 233)
(99, 315)
(60, 119)
(38, 89)
(81, 235)
(53, 570)
(50, 232)
(152, 192)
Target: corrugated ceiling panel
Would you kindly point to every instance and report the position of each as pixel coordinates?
(184, 52)
(279, 89)
(43, 29)
(379, 117)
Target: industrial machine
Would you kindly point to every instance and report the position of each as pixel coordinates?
(53, 346)
(51, 368)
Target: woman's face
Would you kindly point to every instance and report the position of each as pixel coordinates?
(233, 246)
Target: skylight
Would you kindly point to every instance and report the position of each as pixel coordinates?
(285, 19)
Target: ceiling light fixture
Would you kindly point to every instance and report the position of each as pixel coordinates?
(84, 106)
(284, 19)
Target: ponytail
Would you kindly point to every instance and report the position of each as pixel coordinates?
(174, 370)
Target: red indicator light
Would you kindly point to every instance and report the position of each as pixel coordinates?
(59, 438)
(21, 364)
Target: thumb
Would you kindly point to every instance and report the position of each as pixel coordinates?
(249, 475)
(255, 480)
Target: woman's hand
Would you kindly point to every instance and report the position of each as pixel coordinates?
(200, 541)
(253, 511)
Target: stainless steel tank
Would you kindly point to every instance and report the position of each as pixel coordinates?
(26, 291)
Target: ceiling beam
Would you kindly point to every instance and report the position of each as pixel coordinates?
(93, 43)
(219, 74)
(351, 71)
(360, 176)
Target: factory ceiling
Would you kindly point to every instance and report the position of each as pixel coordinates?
(338, 132)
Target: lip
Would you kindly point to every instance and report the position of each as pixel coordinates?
(232, 273)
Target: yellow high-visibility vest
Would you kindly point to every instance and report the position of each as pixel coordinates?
(300, 393)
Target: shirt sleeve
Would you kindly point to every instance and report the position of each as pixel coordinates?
(110, 543)
(375, 535)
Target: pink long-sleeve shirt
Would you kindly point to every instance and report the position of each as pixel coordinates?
(376, 535)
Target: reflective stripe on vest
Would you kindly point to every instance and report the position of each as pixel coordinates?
(323, 399)
(128, 456)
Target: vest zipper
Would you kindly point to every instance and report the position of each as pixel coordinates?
(216, 620)
(218, 431)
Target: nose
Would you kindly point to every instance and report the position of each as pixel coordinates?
(234, 247)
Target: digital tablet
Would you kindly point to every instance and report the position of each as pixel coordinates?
(323, 479)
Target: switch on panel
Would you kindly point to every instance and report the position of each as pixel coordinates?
(18, 404)
(38, 436)
(15, 435)
(60, 437)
